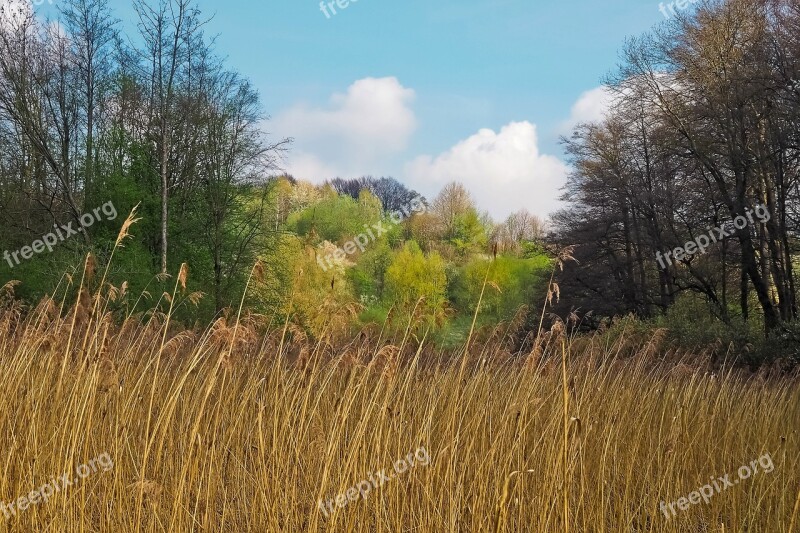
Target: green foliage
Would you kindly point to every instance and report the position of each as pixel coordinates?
(512, 283)
(315, 298)
(413, 276)
(469, 233)
(374, 314)
(784, 343)
(533, 250)
(337, 218)
(368, 277)
(453, 334)
(692, 323)
(370, 203)
(392, 280)
(395, 234)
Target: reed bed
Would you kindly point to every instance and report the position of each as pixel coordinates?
(245, 426)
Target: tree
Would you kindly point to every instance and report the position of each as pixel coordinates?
(452, 203)
(701, 132)
(171, 33)
(91, 26)
(394, 196)
(338, 218)
(235, 160)
(39, 100)
(518, 228)
(86, 119)
(412, 277)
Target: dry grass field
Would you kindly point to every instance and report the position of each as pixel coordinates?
(139, 425)
(248, 428)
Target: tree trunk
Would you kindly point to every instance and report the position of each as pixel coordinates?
(164, 200)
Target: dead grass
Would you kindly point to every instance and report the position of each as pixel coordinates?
(245, 428)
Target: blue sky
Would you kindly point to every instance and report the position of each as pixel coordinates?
(428, 91)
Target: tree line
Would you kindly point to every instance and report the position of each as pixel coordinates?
(704, 126)
(87, 117)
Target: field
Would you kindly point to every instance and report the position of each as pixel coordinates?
(247, 427)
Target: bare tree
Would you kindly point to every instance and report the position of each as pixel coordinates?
(234, 165)
(172, 35)
(518, 228)
(38, 99)
(703, 130)
(91, 27)
(453, 201)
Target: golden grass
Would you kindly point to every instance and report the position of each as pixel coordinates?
(246, 428)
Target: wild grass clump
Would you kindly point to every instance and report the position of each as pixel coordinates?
(246, 425)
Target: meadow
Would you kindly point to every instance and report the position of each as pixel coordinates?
(249, 425)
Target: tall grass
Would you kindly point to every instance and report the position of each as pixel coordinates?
(247, 427)
(244, 438)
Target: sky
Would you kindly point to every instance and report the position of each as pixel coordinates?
(476, 91)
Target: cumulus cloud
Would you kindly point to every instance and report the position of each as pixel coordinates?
(309, 167)
(366, 130)
(353, 133)
(505, 171)
(592, 106)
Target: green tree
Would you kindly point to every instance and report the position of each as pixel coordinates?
(413, 276)
(469, 233)
(338, 218)
(513, 282)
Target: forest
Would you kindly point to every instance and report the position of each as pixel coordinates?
(702, 131)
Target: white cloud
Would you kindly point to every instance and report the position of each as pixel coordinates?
(505, 171)
(367, 129)
(592, 106)
(307, 166)
(353, 134)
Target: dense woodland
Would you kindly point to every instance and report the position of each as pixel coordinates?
(703, 126)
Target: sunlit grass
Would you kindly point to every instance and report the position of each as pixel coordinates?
(247, 428)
